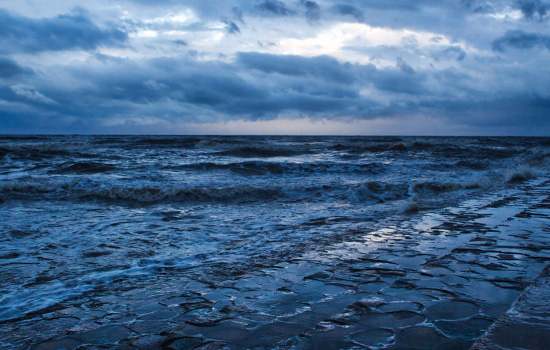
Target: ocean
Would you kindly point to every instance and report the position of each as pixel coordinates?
(266, 242)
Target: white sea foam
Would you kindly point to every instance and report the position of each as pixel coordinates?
(521, 173)
(410, 206)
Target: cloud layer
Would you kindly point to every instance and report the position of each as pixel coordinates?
(469, 66)
(72, 31)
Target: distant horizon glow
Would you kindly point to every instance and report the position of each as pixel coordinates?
(413, 126)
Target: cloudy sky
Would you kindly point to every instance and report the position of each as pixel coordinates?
(453, 67)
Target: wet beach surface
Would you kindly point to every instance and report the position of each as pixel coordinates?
(390, 269)
(526, 324)
(437, 282)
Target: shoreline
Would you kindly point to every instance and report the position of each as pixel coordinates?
(439, 280)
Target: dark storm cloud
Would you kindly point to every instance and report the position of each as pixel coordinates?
(397, 13)
(230, 26)
(117, 87)
(217, 86)
(516, 111)
(404, 67)
(9, 68)
(309, 105)
(154, 2)
(401, 79)
(324, 67)
(518, 39)
(397, 81)
(205, 76)
(186, 81)
(313, 10)
(447, 18)
(273, 8)
(401, 5)
(348, 10)
(532, 9)
(453, 52)
(63, 32)
(256, 86)
(180, 42)
(237, 14)
(7, 94)
(477, 6)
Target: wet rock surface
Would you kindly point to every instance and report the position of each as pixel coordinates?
(438, 281)
(526, 324)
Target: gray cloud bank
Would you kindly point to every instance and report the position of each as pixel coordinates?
(518, 39)
(63, 32)
(83, 72)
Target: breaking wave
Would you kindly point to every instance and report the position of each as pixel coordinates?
(37, 188)
(86, 189)
(521, 173)
(379, 191)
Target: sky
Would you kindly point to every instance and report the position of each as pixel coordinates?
(349, 67)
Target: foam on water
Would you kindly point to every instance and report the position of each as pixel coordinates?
(81, 212)
(521, 173)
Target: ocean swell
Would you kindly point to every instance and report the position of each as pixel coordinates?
(82, 168)
(256, 152)
(262, 167)
(74, 188)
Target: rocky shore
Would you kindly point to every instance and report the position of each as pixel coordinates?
(436, 282)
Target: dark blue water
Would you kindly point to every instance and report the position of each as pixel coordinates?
(79, 212)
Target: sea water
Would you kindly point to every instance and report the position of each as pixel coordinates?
(81, 214)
